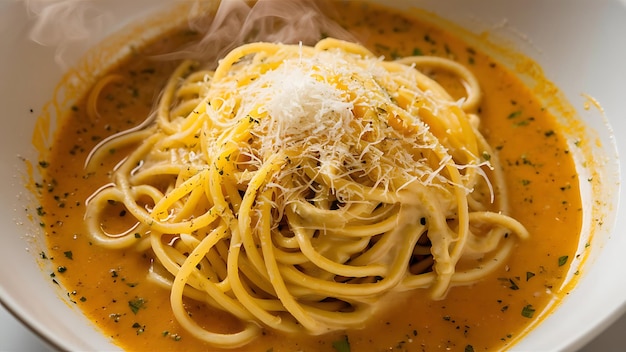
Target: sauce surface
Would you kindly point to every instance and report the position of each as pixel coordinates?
(110, 286)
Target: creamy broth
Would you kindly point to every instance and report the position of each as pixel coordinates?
(110, 286)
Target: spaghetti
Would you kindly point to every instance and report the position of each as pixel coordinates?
(295, 186)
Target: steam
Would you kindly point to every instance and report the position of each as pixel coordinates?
(69, 26)
(72, 26)
(281, 21)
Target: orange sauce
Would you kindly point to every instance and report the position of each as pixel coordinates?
(110, 286)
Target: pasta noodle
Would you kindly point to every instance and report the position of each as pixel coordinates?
(295, 186)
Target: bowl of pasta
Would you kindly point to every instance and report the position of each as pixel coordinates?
(313, 175)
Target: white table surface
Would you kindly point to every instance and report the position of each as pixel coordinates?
(16, 337)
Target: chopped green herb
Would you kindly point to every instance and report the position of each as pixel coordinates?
(469, 348)
(61, 269)
(68, 254)
(136, 304)
(342, 345)
(514, 114)
(528, 311)
(563, 260)
(417, 52)
(529, 275)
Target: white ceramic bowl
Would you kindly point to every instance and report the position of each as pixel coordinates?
(580, 45)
